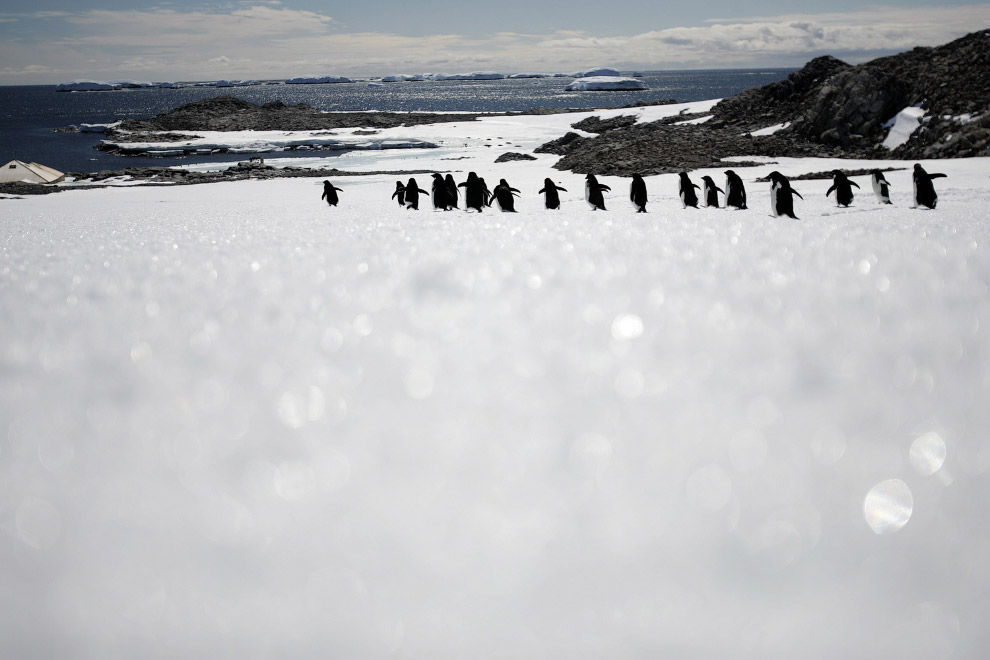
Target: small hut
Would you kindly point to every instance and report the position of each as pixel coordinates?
(16, 170)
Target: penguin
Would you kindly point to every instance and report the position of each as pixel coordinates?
(710, 191)
(735, 191)
(593, 192)
(412, 194)
(686, 188)
(881, 187)
(330, 193)
(842, 187)
(503, 194)
(637, 193)
(924, 191)
(782, 196)
(400, 192)
(485, 191)
(451, 191)
(441, 194)
(549, 190)
(474, 192)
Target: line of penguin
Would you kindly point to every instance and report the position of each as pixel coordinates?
(446, 195)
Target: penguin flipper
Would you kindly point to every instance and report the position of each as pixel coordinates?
(827, 192)
(798, 194)
(937, 176)
(853, 183)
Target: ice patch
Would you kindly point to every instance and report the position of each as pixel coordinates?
(605, 83)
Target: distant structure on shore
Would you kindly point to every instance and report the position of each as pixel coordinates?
(17, 171)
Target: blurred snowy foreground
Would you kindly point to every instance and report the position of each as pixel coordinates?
(238, 423)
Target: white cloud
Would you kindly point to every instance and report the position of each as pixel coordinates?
(270, 40)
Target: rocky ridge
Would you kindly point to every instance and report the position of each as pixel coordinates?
(830, 108)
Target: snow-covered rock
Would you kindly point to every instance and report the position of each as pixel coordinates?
(605, 83)
(903, 126)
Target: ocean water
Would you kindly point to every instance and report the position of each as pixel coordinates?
(31, 115)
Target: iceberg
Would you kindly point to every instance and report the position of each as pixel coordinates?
(602, 71)
(604, 84)
(313, 80)
(476, 75)
(130, 84)
(403, 77)
(84, 86)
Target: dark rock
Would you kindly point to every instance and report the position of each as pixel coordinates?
(597, 125)
(512, 155)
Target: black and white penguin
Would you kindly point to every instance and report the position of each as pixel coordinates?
(842, 187)
(686, 190)
(474, 192)
(637, 193)
(412, 194)
(735, 191)
(593, 193)
(451, 191)
(400, 192)
(881, 187)
(710, 191)
(330, 193)
(441, 195)
(486, 193)
(503, 194)
(924, 191)
(782, 196)
(549, 190)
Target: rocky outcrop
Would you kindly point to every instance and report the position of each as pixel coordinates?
(830, 109)
(227, 113)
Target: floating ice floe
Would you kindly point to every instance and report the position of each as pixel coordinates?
(903, 126)
(605, 83)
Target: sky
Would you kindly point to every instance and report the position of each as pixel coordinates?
(52, 41)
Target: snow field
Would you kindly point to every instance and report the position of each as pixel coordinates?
(237, 423)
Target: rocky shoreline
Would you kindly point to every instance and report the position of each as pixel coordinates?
(828, 109)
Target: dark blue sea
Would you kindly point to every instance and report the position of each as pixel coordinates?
(30, 115)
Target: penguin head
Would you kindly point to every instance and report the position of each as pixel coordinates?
(398, 185)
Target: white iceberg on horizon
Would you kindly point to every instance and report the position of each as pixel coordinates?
(84, 86)
(316, 80)
(593, 73)
(130, 84)
(474, 75)
(404, 77)
(605, 84)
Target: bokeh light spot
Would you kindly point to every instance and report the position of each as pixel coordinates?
(888, 506)
(928, 453)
